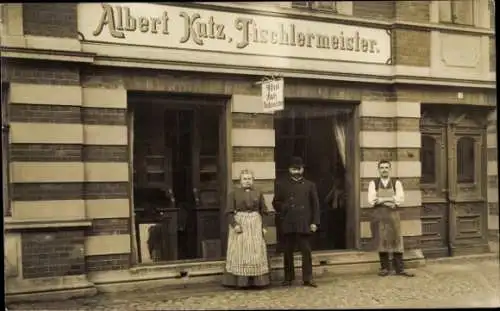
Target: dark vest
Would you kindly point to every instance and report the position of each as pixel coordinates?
(392, 183)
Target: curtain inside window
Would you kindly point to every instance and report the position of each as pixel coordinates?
(339, 131)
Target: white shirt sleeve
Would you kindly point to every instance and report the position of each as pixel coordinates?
(399, 197)
(372, 193)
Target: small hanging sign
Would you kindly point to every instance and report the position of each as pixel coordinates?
(273, 98)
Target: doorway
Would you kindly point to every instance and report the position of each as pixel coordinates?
(178, 161)
(453, 180)
(319, 135)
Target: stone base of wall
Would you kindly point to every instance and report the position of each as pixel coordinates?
(51, 288)
(325, 264)
(494, 240)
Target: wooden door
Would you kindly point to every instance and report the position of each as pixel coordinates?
(453, 183)
(434, 186)
(468, 199)
(155, 213)
(207, 177)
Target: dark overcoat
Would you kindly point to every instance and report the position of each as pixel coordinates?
(297, 205)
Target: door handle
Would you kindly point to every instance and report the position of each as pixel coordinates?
(196, 195)
(445, 190)
(170, 195)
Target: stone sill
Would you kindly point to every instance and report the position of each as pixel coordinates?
(45, 55)
(13, 225)
(168, 276)
(203, 268)
(318, 16)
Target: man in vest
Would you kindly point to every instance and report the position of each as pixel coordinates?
(385, 195)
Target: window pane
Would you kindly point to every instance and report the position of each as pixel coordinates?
(325, 5)
(428, 159)
(445, 11)
(300, 4)
(463, 12)
(465, 160)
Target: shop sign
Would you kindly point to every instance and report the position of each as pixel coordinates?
(182, 28)
(273, 98)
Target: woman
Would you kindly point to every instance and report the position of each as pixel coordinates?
(247, 263)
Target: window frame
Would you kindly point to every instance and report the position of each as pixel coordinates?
(5, 128)
(469, 177)
(435, 155)
(453, 17)
(315, 6)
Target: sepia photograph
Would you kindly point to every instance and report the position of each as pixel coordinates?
(251, 155)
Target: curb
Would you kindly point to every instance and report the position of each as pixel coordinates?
(487, 256)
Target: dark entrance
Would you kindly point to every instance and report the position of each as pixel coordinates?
(178, 174)
(318, 134)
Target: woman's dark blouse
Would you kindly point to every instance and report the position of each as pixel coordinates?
(246, 200)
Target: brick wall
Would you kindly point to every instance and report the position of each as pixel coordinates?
(390, 130)
(35, 102)
(50, 19)
(101, 263)
(411, 47)
(40, 72)
(253, 145)
(53, 253)
(373, 9)
(412, 11)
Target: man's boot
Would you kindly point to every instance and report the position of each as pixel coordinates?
(384, 264)
(398, 262)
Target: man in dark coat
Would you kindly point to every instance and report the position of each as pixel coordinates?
(296, 202)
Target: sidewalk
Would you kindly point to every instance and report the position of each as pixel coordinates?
(451, 282)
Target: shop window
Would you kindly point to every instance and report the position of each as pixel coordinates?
(328, 6)
(465, 160)
(428, 160)
(178, 185)
(5, 153)
(457, 12)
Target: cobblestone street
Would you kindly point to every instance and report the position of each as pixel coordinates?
(464, 283)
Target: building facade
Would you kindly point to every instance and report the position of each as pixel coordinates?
(125, 126)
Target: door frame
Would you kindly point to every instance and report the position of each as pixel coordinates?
(6, 187)
(352, 168)
(177, 101)
(449, 122)
(353, 199)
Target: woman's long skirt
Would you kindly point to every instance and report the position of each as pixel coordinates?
(246, 261)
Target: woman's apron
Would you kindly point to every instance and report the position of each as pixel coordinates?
(246, 251)
(388, 224)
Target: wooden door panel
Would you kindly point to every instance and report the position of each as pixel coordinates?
(434, 186)
(469, 189)
(470, 202)
(434, 229)
(455, 215)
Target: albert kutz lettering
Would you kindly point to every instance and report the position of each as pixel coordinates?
(119, 20)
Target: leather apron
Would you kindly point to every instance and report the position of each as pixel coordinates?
(388, 223)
